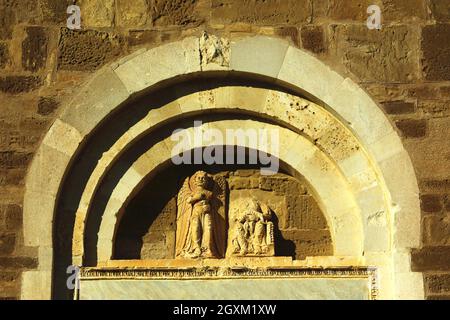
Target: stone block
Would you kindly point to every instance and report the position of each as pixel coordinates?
(4, 55)
(411, 128)
(178, 12)
(88, 50)
(313, 39)
(36, 285)
(14, 263)
(94, 102)
(440, 10)
(356, 10)
(438, 283)
(404, 10)
(398, 107)
(304, 213)
(431, 203)
(132, 13)
(150, 67)
(431, 259)
(271, 12)
(436, 52)
(7, 243)
(388, 55)
(55, 11)
(13, 217)
(237, 183)
(34, 49)
(436, 230)
(428, 153)
(97, 13)
(37, 205)
(291, 33)
(261, 55)
(19, 84)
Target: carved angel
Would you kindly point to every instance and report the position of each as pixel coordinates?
(201, 217)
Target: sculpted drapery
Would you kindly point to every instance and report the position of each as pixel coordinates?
(201, 226)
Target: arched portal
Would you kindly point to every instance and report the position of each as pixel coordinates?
(116, 133)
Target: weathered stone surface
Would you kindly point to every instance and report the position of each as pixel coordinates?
(12, 177)
(438, 283)
(9, 159)
(4, 55)
(431, 203)
(138, 37)
(404, 10)
(9, 285)
(436, 230)
(34, 49)
(261, 12)
(87, 50)
(356, 10)
(175, 12)
(13, 217)
(436, 52)
(132, 14)
(431, 259)
(440, 10)
(151, 37)
(7, 20)
(12, 12)
(19, 84)
(412, 128)
(18, 263)
(398, 107)
(238, 183)
(97, 13)
(7, 243)
(435, 185)
(47, 105)
(387, 55)
(435, 108)
(447, 202)
(429, 155)
(313, 39)
(445, 92)
(424, 91)
(55, 11)
(309, 242)
(291, 33)
(304, 213)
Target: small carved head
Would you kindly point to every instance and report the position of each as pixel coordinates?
(200, 179)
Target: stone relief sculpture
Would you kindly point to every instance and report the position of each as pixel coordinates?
(201, 222)
(253, 230)
(214, 50)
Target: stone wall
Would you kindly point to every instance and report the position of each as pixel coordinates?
(405, 67)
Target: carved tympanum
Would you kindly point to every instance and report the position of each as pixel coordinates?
(201, 217)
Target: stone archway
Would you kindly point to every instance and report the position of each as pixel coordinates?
(378, 177)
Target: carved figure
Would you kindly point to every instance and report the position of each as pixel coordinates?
(201, 217)
(253, 234)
